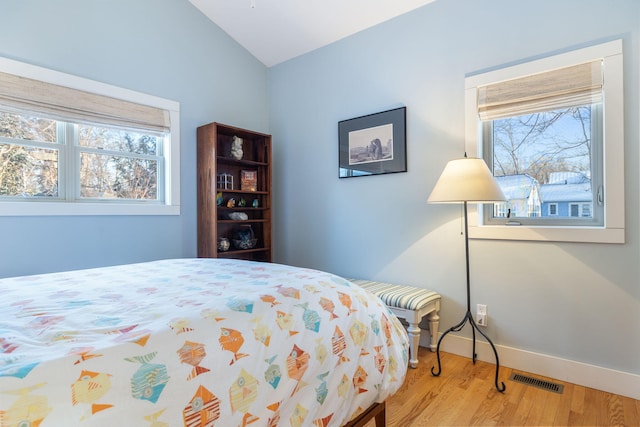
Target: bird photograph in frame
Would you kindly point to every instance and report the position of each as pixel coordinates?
(373, 144)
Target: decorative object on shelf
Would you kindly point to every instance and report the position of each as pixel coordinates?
(223, 244)
(248, 180)
(231, 203)
(219, 199)
(244, 238)
(238, 216)
(255, 203)
(242, 203)
(373, 144)
(236, 148)
(463, 181)
(225, 181)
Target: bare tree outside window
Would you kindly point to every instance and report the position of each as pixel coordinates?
(542, 143)
(121, 165)
(542, 158)
(114, 163)
(27, 171)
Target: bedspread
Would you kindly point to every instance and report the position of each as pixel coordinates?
(194, 342)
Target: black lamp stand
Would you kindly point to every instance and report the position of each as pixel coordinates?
(468, 318)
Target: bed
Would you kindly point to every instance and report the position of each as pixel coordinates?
(194, 342)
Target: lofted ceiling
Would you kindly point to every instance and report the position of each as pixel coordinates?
(277, 30)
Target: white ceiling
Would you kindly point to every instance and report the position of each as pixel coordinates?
(277, 30)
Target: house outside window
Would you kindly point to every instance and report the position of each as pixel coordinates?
(71, 146)
(521, 192)
(554, 126)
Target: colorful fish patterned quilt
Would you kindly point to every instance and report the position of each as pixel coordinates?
(194, 342)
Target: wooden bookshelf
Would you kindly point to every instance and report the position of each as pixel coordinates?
(214, 223)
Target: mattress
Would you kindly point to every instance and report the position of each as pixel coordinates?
(194, 342)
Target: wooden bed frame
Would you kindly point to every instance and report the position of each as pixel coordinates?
(377, 411)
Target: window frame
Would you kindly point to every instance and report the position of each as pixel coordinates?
(613, 230)
(171, 150)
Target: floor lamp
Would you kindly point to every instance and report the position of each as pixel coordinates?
(465, 181)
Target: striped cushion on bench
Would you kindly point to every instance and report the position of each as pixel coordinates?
(406, 297)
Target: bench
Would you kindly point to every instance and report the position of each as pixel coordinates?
(410, 304)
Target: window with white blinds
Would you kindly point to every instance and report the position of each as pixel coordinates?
(73, 146)
(551, 130)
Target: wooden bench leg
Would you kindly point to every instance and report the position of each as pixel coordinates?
(434, 322)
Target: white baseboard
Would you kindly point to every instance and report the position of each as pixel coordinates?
(609, 380)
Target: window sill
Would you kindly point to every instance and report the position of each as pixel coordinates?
(62, 209)
(548, 234)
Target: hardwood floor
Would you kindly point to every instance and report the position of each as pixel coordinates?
(465, 395)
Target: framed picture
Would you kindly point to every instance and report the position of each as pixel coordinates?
(373, 144)
(248, 180)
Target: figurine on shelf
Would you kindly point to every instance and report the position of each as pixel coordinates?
(242, 203)
(225, 181)
(223, 244)
(231, 203)
(236, 148)
(256, 203)
(219, 199)
(244, 238)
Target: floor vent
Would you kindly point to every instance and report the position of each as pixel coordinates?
(545, 385)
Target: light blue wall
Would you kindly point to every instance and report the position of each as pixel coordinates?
(166, 48)
(575, 301)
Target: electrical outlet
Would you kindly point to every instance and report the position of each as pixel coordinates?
(481, 320)
(481, 315)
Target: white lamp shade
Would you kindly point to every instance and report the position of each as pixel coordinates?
(466, 180)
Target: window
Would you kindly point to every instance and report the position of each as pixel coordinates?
(574, 210)
(551, 132)
(547, 157)
(114, 164)
(580, 210)
(72, 146)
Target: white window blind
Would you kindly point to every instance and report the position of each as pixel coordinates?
(561, 88)
(64, 103)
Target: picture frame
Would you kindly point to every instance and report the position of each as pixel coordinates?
(373, 144)
(249, 180)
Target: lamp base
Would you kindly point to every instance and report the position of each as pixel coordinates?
(474, 327)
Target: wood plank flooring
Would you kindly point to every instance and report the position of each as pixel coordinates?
(465, 395)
